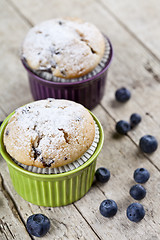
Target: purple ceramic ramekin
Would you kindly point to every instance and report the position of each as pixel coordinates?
(88, 92)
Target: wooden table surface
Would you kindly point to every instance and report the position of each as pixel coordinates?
(134, 30)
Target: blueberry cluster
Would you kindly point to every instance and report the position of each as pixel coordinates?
(122, 127)
(147, 143)
(135, 211)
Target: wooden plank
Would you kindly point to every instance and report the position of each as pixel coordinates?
(14, 89)
(141, 18)
(66, 222)
(52, 9)
(121, 157)
(11, 226)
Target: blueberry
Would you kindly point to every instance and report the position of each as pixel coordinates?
(108, 208)
(141, 175)
(135, 212)
(148, 144)
(102, 174)
(38, 225)
(135, 119)
(138, 192)
(122, 94)
(122, 127)
(1, 123)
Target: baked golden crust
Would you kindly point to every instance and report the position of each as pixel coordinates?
(49, 133)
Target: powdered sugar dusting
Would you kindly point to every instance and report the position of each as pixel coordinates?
(49, 76)
(65, 48)
(55, 132)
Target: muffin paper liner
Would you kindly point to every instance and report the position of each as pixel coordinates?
(71, 166)
(48, 76)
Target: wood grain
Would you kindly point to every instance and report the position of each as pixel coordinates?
(122, 157)
(136, 66)
(11, 226)
(141, 18)
(66, 222)
(14, 90)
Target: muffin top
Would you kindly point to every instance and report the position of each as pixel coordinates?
(49, 133)
(67, 48)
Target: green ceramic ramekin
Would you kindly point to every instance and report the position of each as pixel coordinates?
(52, 190)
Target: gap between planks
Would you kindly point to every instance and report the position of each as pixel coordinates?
(128, 30)
(17, 213)
(104, 7)
(86, 219)
(12, 204)
(20, 13)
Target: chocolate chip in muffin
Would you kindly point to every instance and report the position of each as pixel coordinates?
(35, 152)
(7, 132)
(92, 50)
(38, 32)
(57, 52)
(65, 158)
(24, 111)
(78, 119)
(60, 23)
(38, 152)
(47, 164)
(63, 72)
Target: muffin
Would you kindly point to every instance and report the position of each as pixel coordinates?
(65, 58)
(65, 48)
(49, 133)
(53, 130)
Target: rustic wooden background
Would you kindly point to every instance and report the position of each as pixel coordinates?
(134, 30)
